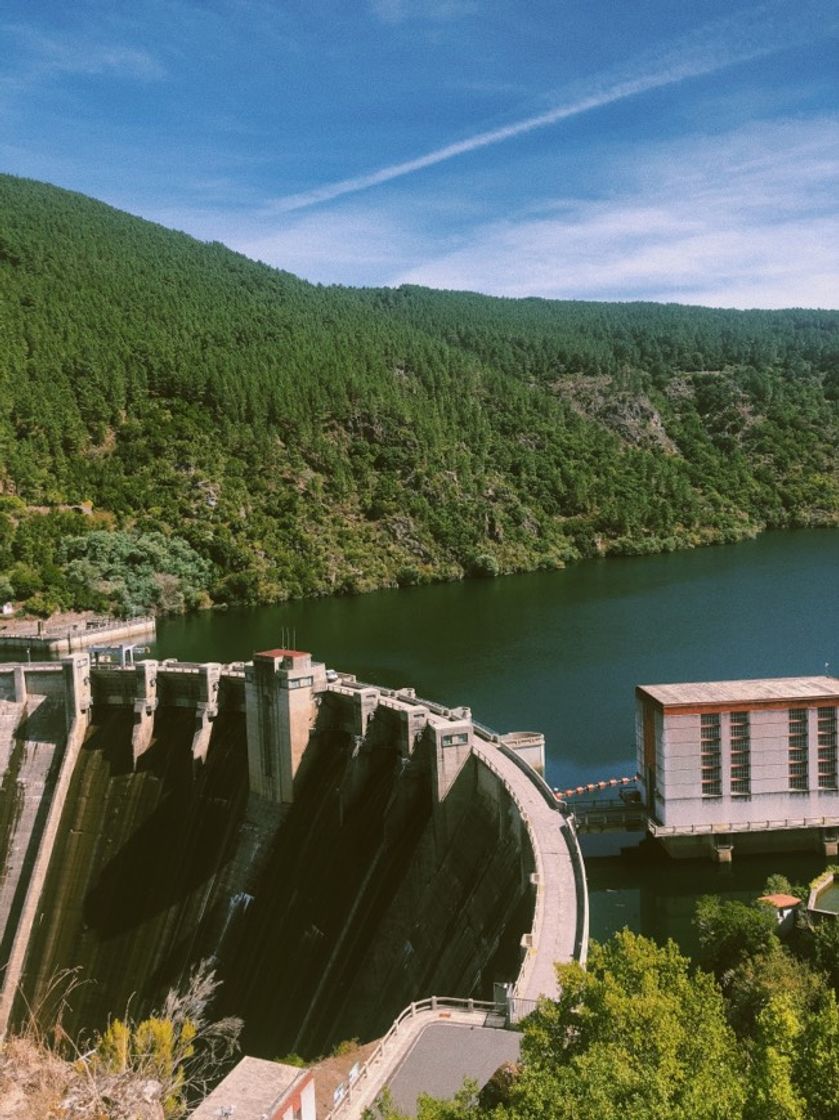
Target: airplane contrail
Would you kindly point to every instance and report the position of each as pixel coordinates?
(707, 51)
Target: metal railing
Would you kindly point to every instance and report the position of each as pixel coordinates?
(433, 1004)
(520, 1008)
(108, 623)
(722, 827)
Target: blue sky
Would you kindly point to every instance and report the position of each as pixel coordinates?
(572, 149)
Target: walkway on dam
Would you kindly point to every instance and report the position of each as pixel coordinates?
(560, 920)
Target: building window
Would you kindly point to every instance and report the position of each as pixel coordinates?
(710, 745)
(455, 740)
(740, 753)
(798, 777)
(827, 748)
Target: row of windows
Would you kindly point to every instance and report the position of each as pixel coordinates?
(797, 746)
(826, 741)
(454, 740)
(711, 760)
(798, 750)
(710, 755)
(740, 753)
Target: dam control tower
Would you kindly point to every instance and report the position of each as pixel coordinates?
(280, 709)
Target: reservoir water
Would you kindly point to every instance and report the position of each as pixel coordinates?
(561, 652)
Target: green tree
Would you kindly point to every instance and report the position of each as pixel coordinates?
(303, 440)
(817, 1063)
(773, 1094)
(825, 949)
(731, 931)
(769, 974)
(464, 1105)
(778, 884)
(638, 1035)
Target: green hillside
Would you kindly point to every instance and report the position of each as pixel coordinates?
(180, 424)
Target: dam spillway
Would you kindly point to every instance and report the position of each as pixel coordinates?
(336, 849)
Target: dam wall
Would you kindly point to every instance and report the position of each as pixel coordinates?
(336, 849)
(44, 739)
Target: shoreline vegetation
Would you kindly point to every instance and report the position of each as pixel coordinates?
(29, 615)
(181, 427)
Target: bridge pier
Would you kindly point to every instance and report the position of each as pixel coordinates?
(722, 849)
(34, 834)
(452, 750)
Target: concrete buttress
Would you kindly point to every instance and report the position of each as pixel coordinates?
(206, 710)
(145, 705)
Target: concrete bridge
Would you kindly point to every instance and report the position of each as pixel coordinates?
(292, 712)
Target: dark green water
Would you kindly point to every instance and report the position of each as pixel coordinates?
(561, 652)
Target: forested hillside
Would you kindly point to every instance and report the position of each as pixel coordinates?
(179, 424)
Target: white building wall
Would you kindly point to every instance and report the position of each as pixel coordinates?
(307, 1100)
(769, 735)
(680, 774)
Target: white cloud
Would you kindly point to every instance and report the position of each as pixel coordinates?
(747, 220)
(399, 11)
(40, 55)
(354, 246)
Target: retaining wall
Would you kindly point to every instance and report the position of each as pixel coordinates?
(59, 643)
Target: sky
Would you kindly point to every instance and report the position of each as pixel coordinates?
(567, 149)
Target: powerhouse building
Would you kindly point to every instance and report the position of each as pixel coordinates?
(744, 759)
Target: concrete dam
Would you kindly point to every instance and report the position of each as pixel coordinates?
(336, 849)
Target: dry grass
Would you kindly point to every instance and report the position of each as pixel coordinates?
(134, 1071)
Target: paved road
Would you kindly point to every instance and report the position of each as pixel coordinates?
(444, 1054)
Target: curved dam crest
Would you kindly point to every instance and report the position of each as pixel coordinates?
(338, 850)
